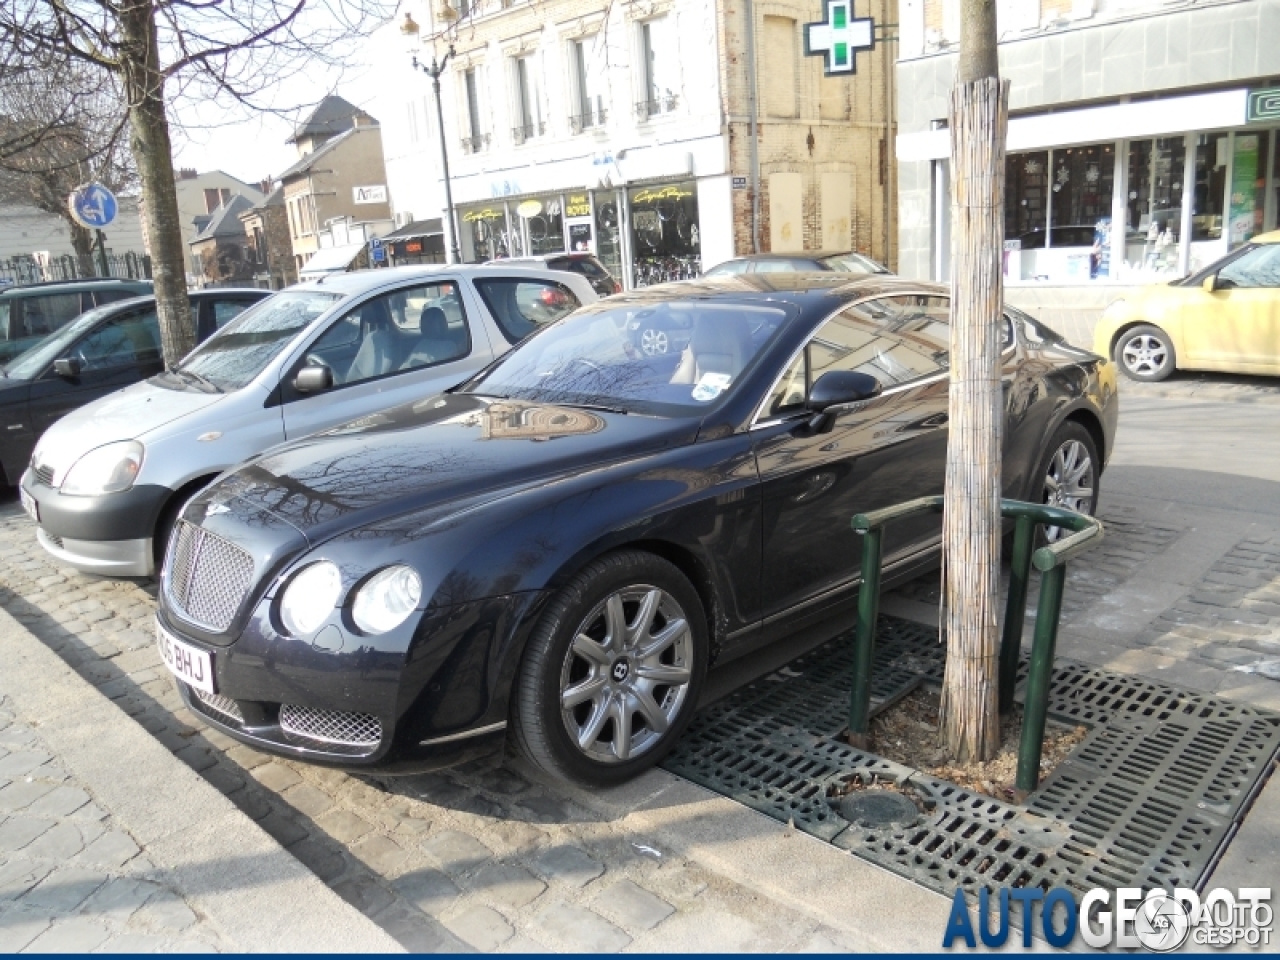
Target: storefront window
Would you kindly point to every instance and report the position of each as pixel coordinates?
(1083, 178)
(1025, 208)
(484, 233)
(1211, 186)
(1248, 198)
(609, 231)
(543, 224)
(1154, 204)
(664, 233)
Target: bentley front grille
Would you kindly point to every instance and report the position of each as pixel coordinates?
(207, 577)
(335, 731)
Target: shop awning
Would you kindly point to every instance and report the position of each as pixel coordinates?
(330, 260)
(1121, 121)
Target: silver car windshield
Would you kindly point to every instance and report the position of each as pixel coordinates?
(599, 356)
(241, 350)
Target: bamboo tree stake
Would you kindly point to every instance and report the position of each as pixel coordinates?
(971, 526)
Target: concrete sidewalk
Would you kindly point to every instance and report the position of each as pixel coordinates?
(109, 842)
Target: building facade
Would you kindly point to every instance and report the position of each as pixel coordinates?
(1142, 144)
(625, 129)
(221, 255)
(266, 227)
(340, 178)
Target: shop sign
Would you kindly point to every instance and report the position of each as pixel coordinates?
(577, 205)
(580, 237)
(488, 213)
(1244, 184)
(662, 193)
(739, 183)
(1264, 105)
(838, 37)
(375, 194)
(529, 208)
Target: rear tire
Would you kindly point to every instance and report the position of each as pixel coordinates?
(611, 676)
(1145, 353)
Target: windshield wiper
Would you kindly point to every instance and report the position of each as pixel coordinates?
(593, 406)
(201, 380)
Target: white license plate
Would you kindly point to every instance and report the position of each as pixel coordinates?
(29, 504)
(191, 666)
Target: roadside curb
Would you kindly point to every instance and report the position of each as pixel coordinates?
(217, 857)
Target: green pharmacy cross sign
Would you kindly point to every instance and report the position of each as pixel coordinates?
(838, 37)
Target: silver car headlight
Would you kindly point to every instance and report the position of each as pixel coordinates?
(310, 597)
(106, 469)
(386, 599)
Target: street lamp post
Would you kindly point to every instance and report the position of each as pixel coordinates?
(410, 29)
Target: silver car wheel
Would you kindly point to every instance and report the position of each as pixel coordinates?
(626, 674)
(1144, 355)
(1069, 482)
(654, 343)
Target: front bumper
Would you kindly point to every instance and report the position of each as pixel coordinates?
(434, 693)
(109, 534)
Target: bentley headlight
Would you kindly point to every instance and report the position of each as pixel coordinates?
(310, 597)
(107, 469)
(387, 598)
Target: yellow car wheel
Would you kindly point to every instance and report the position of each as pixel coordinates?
(1145, 353)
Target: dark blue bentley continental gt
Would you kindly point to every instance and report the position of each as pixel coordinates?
(558, 549)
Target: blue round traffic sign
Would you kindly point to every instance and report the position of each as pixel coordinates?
(93, 206)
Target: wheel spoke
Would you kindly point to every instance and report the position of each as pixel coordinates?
(653, 715)
(644, 618)
(589, 732)
(620, 710)
(662, 639)
(615, 624)
(588, 689)
(664, 673)
(588, 649)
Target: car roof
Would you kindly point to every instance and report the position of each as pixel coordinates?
(70, 286)
(1272, 236)
(361, 281)
(785, 286)
(798, 255)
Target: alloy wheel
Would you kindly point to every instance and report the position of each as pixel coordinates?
(626, 674)
(1144, 355)
(1069, 482)
(654, 342)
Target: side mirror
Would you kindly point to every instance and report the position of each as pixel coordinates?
(837, 388)
(1210, 283)
(313, 379)
(67, 367)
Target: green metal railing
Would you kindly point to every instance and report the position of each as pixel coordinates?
(1050, 560)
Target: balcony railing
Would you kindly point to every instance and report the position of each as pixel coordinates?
(652, 108)
(475, 144)
(528, 131)
(585, 121)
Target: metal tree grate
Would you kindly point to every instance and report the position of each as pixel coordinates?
(1147, 798)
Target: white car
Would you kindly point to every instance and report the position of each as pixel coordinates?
(107, 481)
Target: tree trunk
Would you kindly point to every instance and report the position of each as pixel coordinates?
(971, 528)
(149, 142)
(81, 243)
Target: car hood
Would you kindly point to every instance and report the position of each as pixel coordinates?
(128, 414)
(441, 449)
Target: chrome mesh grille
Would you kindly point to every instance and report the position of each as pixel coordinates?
(206, 577)
(330, 729)
(220, 704)
(43, 474)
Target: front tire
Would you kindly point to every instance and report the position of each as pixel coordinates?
(1145, 353)
(1068, 474)
(612, 673)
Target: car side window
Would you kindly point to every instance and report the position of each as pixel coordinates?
(224, 311)
(125, 341)
(522, 306)
(396, 332)
(783, 266)
(728, 269)
(894, 339)
(790, 391)
(1260, 267)
(112, 295)
(43, 315)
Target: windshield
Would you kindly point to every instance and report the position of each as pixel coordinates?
(241, 350)
(853, 263)
(36, 359)
(600, 356)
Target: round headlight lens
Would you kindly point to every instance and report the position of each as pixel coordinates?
(386, 599)
(310, 597)
(107, 469)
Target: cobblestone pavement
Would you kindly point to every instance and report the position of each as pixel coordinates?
(482, 857)
(71, 882)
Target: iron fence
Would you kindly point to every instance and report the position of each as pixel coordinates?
(125, 266)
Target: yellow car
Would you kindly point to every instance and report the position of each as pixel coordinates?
(1226, 317)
